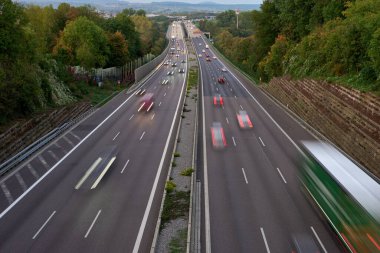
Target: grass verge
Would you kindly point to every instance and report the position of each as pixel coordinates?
(176, 205)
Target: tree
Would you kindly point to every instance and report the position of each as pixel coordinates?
(123, 23)
(118, 49)
(85, 43)
(144, 28)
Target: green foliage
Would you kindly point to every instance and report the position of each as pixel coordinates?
(179, 242)
(176, 205)
(85, 43)
(170, 186)
(187, 172)
(177, 154)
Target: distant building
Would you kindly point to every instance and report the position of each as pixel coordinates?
(210, 17)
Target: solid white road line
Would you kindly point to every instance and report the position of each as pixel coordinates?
(114, 138)
(319, 240)
(281, 175)
(92, 224)
(152, 116)
(227, 121)
(142, 136)
(158, 174)
(43, 161)
(32, 170)
(265, 240)
(88, 173)
(21, 181)
(141, 107)
(233, 139)
(262, 142)
(43, 225)
(68, 141)
(125, 166)
(52, 154)
(7, 193)
(131, 116)
(165, 94)
(245, 176)
(103, 172)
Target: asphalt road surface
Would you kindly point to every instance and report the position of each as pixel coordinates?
(50, 203)
(252, 197)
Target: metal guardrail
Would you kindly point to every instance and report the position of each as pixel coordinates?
(32, 148)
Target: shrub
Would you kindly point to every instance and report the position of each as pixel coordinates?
(187, 172)
(170, 186)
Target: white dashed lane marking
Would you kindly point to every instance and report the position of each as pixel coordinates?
(33, 171)
(7, 193)
(51, 153)
(68, 141)
(21, 181)
(43, 161)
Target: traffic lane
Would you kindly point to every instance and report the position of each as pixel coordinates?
(248, 155)
(60, 184)
(286, 159)
(229, 162)
(71, 184)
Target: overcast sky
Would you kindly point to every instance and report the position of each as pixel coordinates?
(199, 1)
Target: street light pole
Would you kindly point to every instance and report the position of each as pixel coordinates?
(237, 19)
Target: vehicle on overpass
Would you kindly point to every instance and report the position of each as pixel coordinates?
(244, 120)
(217, 136)
(346, 195)
(218, 100)
(147, 102)
(221, 80)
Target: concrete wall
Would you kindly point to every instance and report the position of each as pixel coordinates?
(145, 69)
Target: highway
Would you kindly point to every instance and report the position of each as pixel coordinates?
(252, 198)
(98, 188)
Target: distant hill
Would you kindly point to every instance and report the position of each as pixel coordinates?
(153, 7)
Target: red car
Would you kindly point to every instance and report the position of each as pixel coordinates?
(146, 102)
(244, 121)
(218, 100)
(217, 136)
(221, 80)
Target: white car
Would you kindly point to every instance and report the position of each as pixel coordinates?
(203, 51)
(200, 55)
(214, 57)
(224, 70)
(200, 44)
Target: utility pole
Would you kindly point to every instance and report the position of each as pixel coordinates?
(237, 19)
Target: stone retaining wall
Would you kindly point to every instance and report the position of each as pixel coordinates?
(349, 118)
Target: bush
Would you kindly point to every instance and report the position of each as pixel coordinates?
(170, 186)
(187, 172)
(177, 154)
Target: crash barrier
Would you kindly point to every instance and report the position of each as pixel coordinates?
(33, 131)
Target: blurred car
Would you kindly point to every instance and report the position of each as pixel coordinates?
(183, 61)
(203, 51)
(170, 73)
(140, 92)
(200, 55)
(303, 243)
(214, 57)
(165, 81)
(166, 63)
(174, 64)
(177, 55)
(224, 70)
(244, 120)
(217, 136)
(218, 100)
(208, 59)
(200, 44)
(221, 80)
(146, 102)
(181, 70)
